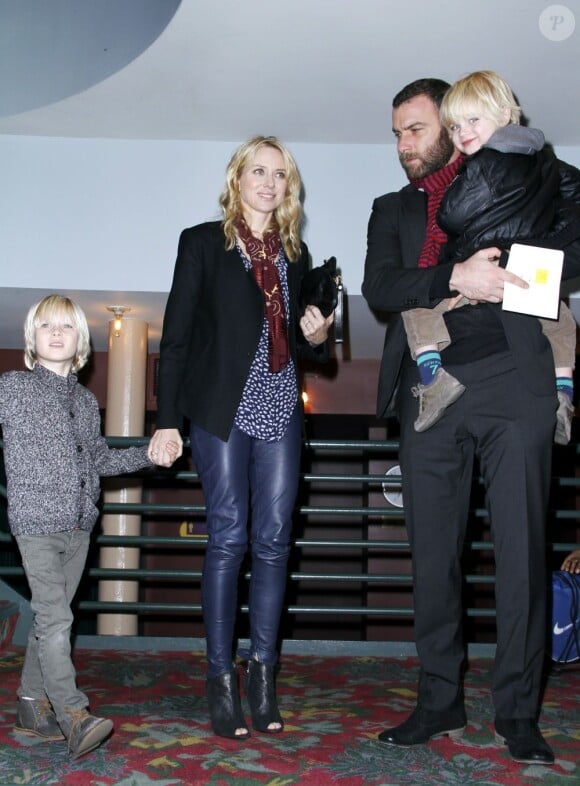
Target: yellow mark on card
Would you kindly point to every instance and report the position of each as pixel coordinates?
(541, 275)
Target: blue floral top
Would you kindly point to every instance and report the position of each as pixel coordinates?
(268, 400)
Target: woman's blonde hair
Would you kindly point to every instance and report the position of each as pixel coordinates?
(287, 217)
(56, 309)
(485, 92)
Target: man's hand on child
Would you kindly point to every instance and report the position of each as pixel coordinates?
(481, 279)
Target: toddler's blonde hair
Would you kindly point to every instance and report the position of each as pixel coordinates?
(484, 92)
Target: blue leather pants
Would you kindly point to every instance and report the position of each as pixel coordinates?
(240, 476)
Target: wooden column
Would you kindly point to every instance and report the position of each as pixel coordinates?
(125, 416)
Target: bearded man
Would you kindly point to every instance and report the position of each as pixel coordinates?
(505, 419)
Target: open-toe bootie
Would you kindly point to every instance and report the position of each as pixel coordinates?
(261, 694)
(225, 708)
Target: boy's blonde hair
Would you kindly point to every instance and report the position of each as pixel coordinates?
(287, 217)
(56, 309)
(484, 92)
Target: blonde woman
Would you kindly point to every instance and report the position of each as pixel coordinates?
(231, 336)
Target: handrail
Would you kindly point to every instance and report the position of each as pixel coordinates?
(363, 548)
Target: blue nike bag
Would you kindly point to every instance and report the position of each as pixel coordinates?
(565, 616)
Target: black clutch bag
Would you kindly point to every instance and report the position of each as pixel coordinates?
(322, 287)
(319, 288)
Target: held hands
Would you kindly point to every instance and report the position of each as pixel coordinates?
(480, 279)
(165, 447)
(314, 326)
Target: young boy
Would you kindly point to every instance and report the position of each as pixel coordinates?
(54, 454)
(509, 189)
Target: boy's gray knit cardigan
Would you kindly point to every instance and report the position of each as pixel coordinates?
(54, 452)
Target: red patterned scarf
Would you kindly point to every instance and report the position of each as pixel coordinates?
(435, 185)
(263, 255)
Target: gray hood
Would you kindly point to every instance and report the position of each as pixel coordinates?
(516, 139)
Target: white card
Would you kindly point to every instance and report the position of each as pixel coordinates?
(542, 269)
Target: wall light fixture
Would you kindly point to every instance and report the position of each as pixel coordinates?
(118, 311)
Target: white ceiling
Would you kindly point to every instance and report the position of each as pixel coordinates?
(315, 71)
(308, 70)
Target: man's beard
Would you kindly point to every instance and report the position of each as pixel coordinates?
(436, 157)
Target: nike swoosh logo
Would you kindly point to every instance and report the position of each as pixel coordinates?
(558, 630)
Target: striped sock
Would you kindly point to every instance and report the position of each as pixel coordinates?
(565, 385)
(428, 363)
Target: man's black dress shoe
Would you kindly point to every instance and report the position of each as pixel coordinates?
(422, 725)
(524, 740)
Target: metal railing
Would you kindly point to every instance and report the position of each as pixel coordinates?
(367, 515)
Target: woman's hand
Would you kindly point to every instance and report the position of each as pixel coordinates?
(314, 326)
(165, 447)
(572, 562)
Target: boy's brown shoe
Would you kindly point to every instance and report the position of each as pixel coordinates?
(36, 718)
(435, 398)
(564, 417)
(84, 732)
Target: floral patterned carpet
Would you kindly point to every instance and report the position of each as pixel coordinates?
(333, 708)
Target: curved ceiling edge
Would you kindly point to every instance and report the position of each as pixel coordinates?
(50, 51)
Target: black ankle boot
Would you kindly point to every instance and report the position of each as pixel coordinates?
(262, 697)
(225, 708)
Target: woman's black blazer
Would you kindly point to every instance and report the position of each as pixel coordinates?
(211, 329)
